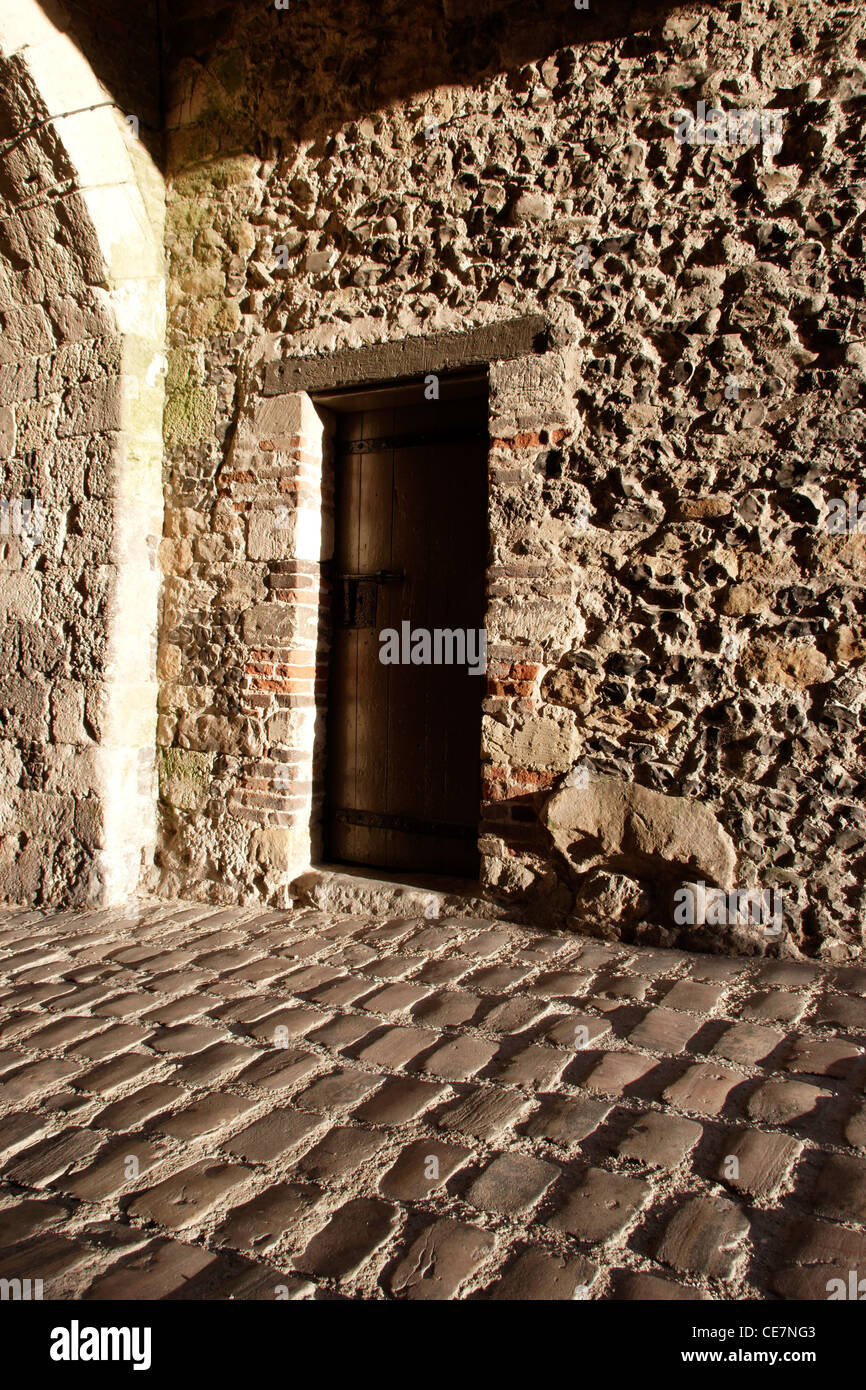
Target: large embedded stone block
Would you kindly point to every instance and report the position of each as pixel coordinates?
(546, 742)
(530, 392)
(90, 822)
(44, 814)
(269, 624)
(271, 534)
(67, 713)
(622, 826)
(190, 405)
(274, 425)
(36, 420)
(292, 728)
(280, 849)
(21, 595)
(792, 665)
(25, 704)
(184, 777)
(279, 420)
(407, 356)
(90, 409)
(7, 431)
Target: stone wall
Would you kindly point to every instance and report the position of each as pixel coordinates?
(675, 580)
(667, 608)
(81, 326)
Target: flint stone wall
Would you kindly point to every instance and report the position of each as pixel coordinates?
(353, 193)
(666, 608)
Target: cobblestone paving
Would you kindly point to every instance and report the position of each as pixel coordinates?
(199, 1103)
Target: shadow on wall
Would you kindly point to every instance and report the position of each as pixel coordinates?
(353, 59)
(121, 42)
(211, 67)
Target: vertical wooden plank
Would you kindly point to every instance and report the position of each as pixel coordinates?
(373, 693)
(409, 751)
(410, 735)
(342, 700)
(440, 536)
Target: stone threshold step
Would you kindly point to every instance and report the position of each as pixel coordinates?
(336, 888)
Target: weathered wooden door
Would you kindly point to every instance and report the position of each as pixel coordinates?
(410, 549)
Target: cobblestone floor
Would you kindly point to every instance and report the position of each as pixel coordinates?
(200, 1103)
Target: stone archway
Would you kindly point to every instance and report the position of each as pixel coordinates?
(82, 299)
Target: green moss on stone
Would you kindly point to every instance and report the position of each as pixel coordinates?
(215, 175)
(190, 406)
(189, 415)
(184, 777)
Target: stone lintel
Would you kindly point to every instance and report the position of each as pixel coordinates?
(408, 357)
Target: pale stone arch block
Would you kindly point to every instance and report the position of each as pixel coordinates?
(122, 194)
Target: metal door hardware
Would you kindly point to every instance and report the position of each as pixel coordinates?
(359, 596)
(378, 576)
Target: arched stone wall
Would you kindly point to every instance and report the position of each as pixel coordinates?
(81, 389)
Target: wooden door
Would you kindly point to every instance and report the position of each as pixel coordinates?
(410, 548)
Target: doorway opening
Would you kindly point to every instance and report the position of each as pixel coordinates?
(408, 649)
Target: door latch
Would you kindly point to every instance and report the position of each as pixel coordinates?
(377, 577)
(360, 596)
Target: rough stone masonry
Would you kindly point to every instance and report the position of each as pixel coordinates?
(647, 224)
